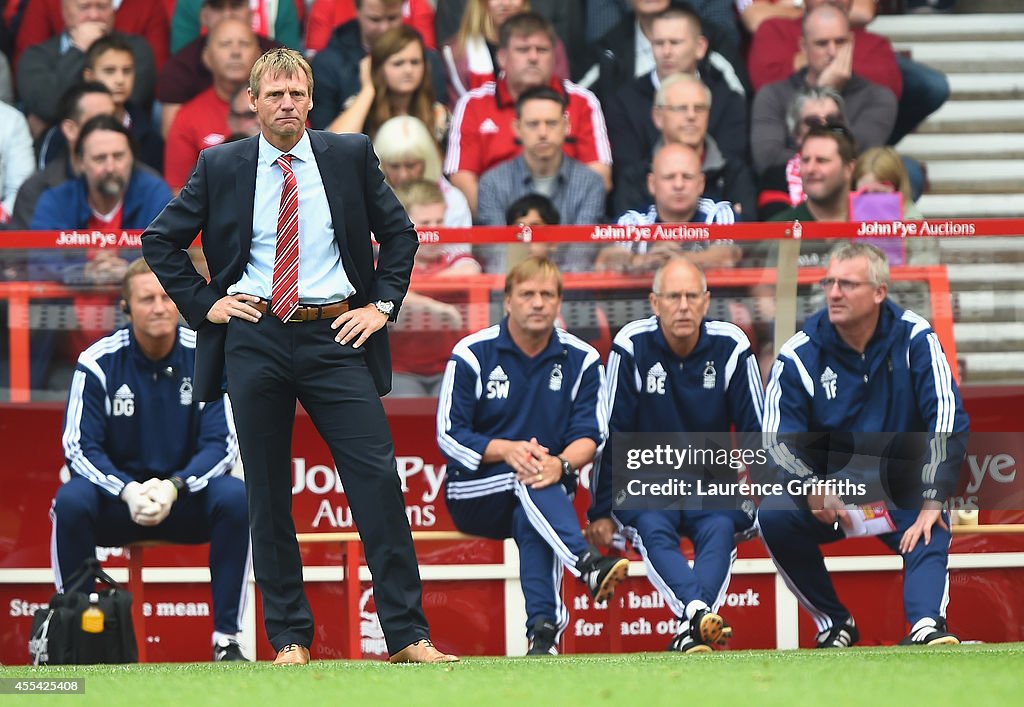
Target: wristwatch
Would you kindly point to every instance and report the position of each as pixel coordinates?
(567, 470)
(385, 307)
(179, 485)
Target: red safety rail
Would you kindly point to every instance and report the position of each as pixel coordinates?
(480, 288)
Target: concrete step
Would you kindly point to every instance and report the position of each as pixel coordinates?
(976, 177)
(966, 57)
(988, 306)
(945, 146)
(997, 249)
(985, 277)
(932, 28)
(991, 367)
(971, 206)
(976, 117)
(979, 87)
(989, 337)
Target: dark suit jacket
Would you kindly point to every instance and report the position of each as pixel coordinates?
(218, 200)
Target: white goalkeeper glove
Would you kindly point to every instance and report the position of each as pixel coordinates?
(142, 508)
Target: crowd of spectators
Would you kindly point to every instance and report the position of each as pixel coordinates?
(492, 101)
(738, 81)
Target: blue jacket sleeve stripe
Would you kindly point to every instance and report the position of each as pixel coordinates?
(72, 438)
(592, 358)
(605, 404)
(756, 391)
(225, 463)
(468, 458)
(945, 409)
(773, 422)
(602, 406)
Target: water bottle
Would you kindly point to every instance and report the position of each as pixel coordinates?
(92, 618)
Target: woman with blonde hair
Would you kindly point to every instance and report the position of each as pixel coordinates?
(881, 169)
(394, 81)
(470, 57)
(408, 153)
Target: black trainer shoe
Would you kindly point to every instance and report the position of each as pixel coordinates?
(841, 636)
(930, 632)
(543, 640)
(602, 574)
(683, 642)
(709, 628)
(227, 649)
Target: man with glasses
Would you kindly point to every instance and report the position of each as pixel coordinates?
(864, 394)
(679, 46)
(678, 372)
(680, 114)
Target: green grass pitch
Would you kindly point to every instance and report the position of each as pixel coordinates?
(965, 676)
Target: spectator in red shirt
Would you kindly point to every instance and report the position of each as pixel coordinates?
(185, 76)
(230, 52)
(43, 19)
(776, 52)
(325, 15)
(481, 135)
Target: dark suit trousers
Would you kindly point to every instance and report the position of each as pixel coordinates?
(269, 365)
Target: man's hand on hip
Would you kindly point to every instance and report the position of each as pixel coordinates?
(237, 306)
(358, 324)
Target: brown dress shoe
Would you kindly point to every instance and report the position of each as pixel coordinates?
(422, 651)
(292, 654)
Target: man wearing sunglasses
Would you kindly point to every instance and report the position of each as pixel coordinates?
(864, 420)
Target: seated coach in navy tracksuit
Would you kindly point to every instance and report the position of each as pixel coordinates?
(518, 414)
(861, 409)
(147, 462)
(673, 376)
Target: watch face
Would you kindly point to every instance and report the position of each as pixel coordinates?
(384, 307)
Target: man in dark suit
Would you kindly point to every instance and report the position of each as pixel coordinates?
(286, 317)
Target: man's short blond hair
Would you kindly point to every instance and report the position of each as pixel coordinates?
(279, 62)
(878, 264)
(137, 267)
(530, 268)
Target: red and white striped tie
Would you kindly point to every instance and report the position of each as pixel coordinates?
(284, 296)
